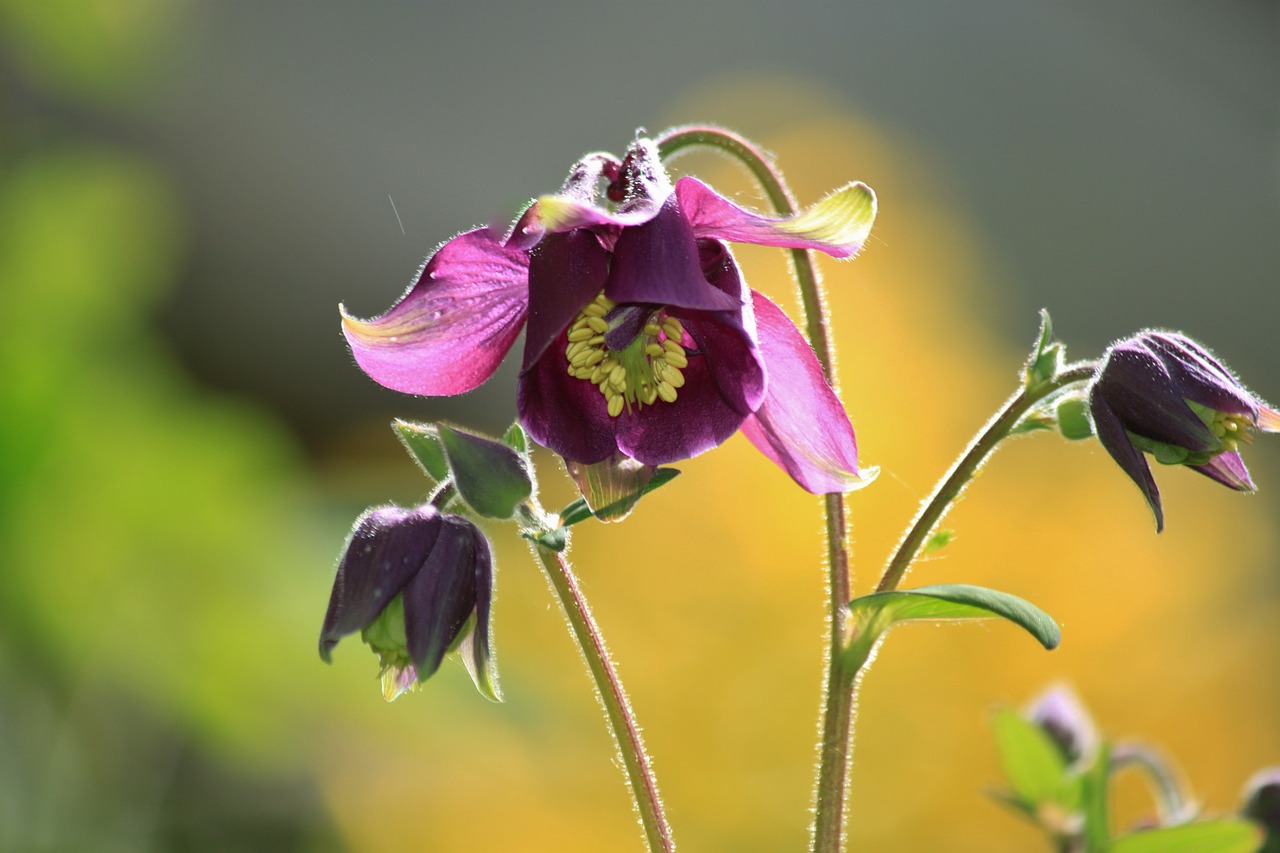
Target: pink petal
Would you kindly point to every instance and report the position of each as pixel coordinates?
(838, 224)
(801, 425)
(450, 331)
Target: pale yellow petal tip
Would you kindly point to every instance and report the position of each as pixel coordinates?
(1268, 420)
(554, 211)
(863, 478)
(842, 218)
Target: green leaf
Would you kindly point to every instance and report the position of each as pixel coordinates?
(1226, 835)
(873, 614)
(553, 539)
(937, 540)
(579, 510)
(1046, 357)
(491, 477)
(1033, 765)
(516, 439)
(423, 443)
(1097, 823)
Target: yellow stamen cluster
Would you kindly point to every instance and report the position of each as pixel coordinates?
(645, 371)
(1232, 429)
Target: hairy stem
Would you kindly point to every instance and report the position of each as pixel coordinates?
(837, 716)
(622, 722)
(965, 467)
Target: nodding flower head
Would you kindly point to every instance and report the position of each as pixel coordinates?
(1164, 394)
(416, 584)
(642, 340)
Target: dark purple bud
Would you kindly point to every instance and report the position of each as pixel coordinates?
(1163, 394)
(416, 585)
(1262, 804)
(1059, 713)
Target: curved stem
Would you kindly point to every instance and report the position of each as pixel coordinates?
(951, 485)
(622, 723)
(837, 718)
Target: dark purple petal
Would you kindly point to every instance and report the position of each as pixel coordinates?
(573, 204)
(657, 263)
(566, 271)
(727, 339)
(801, 425)
(1115, 439)
(1199, 376)
(562, 412)
(439, 599)
(450, 331)
(838, 224)
(699, 419)
(476, 647)
(1227, 469)
(387, 546)
(1144, 397)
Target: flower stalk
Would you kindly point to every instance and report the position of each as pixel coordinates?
(837, 718)
(622, 722)
(969, 463)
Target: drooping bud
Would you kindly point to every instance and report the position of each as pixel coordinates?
(1059, 712)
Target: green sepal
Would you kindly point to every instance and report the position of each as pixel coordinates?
(423, 443)
(516, 439)
(556, 539)
(1097, 821)
(580, 510)
(1074, 423)
(1038, 775)
(1224, 835)
(491, 477)
(872, 615)
(1046, 357)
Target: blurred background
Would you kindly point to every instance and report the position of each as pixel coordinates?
(188, 190)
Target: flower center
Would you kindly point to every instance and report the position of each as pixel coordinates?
(647, 367)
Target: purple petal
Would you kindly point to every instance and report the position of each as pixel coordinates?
(700, 418)
(387, 546)
(1148, 401)
(566, 271)
(1227, 469)
(801, 425)
(475, 647)
(1115, 439)
(450, 331)
(439, 599)
(1200, 377)
(562, 412)
(838, 224)
(657, 263)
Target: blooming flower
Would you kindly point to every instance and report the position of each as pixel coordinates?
(1162, 393)
(416, 584)
(642, 340)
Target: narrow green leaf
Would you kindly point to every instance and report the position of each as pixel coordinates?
(491, 477)
(423, 443)
(1097, 822)
(1225, 835)
(952, 602)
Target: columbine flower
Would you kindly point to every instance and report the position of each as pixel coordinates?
(416, 584)
(1162, 393)
(643, 342)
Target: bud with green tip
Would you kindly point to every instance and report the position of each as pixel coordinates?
(416, 584)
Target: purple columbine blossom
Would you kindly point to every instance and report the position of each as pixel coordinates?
(642, 341)
(415, 584)
(1165, 394)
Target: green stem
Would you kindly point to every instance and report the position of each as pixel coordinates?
(951, 485)
(622, 723)
(1174, 805)
(837, 718)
